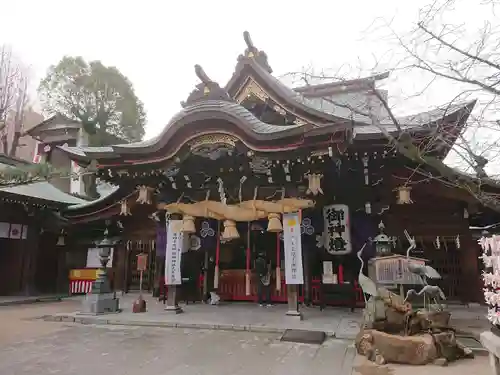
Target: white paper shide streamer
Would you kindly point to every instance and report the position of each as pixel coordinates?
(491, 276)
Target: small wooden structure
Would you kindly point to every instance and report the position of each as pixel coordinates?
(393, 270)
(233, 149)
(32, 239)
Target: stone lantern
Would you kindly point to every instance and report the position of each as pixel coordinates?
(102, 300)
(383, 243)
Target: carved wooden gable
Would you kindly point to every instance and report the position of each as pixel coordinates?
(251, 88)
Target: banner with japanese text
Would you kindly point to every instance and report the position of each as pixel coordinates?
(175, 242)
(294, 272)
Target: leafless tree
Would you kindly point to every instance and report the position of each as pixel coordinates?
(14, 99)
(462, 63)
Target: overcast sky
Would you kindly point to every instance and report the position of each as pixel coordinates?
(156, 43)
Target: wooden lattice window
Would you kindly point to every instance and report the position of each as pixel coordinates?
(445, 259)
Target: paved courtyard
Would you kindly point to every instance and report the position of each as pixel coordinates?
(337, 322)
(77, 350)
(29, 345)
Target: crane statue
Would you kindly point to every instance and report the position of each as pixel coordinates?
(425, 272)
(434, 293)
(366, 284)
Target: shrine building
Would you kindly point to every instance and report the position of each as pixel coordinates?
(253, 141)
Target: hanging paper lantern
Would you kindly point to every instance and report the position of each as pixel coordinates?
(144, 196)
(404, 195)
(124, 208)
(314, 181)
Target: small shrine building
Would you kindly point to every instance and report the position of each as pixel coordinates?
(32, 251)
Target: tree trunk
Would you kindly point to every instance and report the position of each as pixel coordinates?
(90, 186)
(5, 145)
(15, 144)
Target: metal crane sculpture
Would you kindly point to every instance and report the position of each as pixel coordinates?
(425, 272)
(433, 292)
(366, 284)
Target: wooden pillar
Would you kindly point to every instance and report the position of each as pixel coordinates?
(206, 264)
(469, 266)
(119, 260)
(171, 303)
(306, 259)
(293, 302)
(62, 273)
(30, 251)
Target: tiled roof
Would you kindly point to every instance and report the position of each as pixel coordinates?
(230, 108)
(44, 191)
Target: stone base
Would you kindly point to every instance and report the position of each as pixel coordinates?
(174, 309)
(382, 348)
(492, 343)
(294, 314)
(97, 304)
(495, 330)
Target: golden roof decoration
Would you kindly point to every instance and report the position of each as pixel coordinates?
(253, 52)
(206, 90)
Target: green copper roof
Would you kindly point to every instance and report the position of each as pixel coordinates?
(44, 191)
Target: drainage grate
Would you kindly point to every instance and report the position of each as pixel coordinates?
(473, 344)
(304, 337)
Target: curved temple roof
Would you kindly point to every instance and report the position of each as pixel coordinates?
(215, 105)
(41, 190)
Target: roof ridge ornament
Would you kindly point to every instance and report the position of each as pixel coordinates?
(254, 53)
(206, 90)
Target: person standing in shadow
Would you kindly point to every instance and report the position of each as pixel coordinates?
(263, 268)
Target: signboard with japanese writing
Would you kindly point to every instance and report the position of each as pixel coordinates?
(142, 262)
(294, 272)
(337, 235)
(175, 242)
(13, 231)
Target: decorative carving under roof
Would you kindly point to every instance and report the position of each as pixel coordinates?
(260, 165)
(253, 52)
(251, 88)
(206, 90)
(213, 146)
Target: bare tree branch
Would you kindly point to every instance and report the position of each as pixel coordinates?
(14, 99)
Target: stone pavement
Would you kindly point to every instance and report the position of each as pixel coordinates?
(25, 300)
(33, 346)
(20, 322)
(476, 366)
(336, 322)
(471, 319)
(83, 350)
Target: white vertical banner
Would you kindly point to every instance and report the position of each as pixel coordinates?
(294, 272)
(175, 242)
